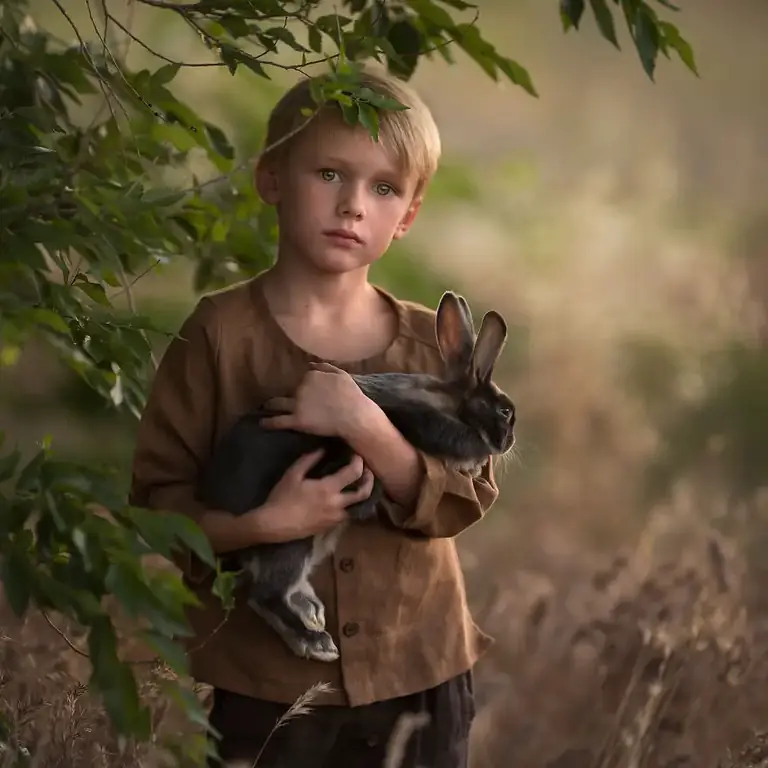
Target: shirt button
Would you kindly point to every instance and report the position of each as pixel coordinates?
(350, 629)
(347, 564)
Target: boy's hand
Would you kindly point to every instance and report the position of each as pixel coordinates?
(299, 506)
(328, 402)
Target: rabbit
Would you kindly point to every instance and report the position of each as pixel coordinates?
(462, 418)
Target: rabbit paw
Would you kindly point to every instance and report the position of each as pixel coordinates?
(318, 646)
(309, 610)
(322, 648)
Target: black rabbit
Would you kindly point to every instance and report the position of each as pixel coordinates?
(461, 418)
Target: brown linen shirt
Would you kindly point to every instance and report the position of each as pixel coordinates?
(395, 603)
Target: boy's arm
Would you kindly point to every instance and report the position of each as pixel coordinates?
(175, 435)
(422, 493)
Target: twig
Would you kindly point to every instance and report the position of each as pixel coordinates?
(185, 8)
(136, 279)
(132, 309)
(177, 7)
(270, 148)
(208, 639)
(161, 56)
(77, 650)
(64, 637)
(103, 84)
(86, 655)
(107, 18)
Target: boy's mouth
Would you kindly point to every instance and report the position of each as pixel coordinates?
(343, 234)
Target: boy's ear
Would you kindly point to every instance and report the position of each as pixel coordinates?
(267, 182)
(408, 219)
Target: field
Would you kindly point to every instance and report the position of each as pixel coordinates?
(622, 227)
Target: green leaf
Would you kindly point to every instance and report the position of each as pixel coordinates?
(315, 39)
(114, 680)
(235, 25)
(676, 41)
(190, 534)
(23, 250)
(380, 101)
(165, 74)
(94, 291)
(230, 56)
(284, 35)
(255, 66)
(369, 119)
(219, 141)
(646, 36)
(224, 585)
(163, 530)
(161, 198)
(29, 479)
(172, 653)
(517, 74)
(9, 464)
(571, 12)
(406, 41)
(350, 112)
(605, 22)
(47, 318)
(126, 585)
(17, 580)
(433, 13)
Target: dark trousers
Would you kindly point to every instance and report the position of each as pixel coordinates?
(348, 737)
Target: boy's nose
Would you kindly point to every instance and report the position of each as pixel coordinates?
(351, 205)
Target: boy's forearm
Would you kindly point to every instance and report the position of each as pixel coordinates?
(228, 533)
(391, 458)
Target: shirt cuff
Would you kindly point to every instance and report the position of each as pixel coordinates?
(449, 501)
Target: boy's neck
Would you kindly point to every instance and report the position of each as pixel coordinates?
(292, 290)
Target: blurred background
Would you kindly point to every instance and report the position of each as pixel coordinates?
(621, 226)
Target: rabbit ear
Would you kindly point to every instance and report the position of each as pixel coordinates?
(467, 315)
(455, 332)
(490, 342)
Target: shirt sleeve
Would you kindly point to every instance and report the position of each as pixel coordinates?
(176, 429)
(449, 501)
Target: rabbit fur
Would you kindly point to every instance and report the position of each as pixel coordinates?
(461, 418)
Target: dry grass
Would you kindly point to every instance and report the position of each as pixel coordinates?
(48, 717)
(655, 659)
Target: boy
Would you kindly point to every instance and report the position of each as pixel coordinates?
(394, 595)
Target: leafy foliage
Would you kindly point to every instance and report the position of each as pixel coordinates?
(90, 156)
(650, 34)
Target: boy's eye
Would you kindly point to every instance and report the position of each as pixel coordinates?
(384, 189)
(328, 175)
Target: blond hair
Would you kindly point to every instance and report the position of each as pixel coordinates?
(411, 134)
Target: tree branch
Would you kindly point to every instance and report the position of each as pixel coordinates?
(103, 84)
(140, 42)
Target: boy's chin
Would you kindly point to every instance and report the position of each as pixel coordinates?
(341, 262)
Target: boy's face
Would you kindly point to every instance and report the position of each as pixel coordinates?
(341, 198)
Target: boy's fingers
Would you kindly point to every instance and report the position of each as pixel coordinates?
(348, 474)
(281, 404)
(285, 421)
(366, 486)
(347, 498)
(325, 368)
(304, 463)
